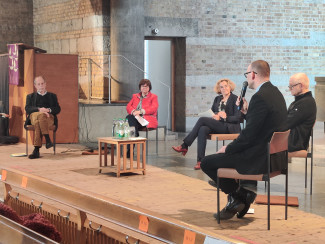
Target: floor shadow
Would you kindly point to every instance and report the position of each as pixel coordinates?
(206, 219)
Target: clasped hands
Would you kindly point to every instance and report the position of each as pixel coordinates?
(45, 111)
(221, 114)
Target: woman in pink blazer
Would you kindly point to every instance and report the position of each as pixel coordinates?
(143, 104)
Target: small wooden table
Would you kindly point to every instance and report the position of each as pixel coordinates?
(128, 164)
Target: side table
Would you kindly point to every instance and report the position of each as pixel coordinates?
(128, 165)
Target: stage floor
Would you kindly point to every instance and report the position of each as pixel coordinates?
(171, 187)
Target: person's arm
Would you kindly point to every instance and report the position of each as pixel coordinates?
(233, 114)
(215, 106)
(131, 106)
(255, 117)
(55, 107)
(152, 107)
(29, 108)
(298, 114)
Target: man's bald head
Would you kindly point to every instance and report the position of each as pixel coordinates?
(299, 84)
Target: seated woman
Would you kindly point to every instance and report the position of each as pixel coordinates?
(226, 119)
(143, 104)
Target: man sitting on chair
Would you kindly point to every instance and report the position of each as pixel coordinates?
(41, 108)
(248, 153)
(301, 113)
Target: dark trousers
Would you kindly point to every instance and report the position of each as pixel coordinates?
(203, 127)
(134, 122)
(211, 163)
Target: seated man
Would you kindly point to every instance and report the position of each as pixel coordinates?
(248, 153)
(41, 108)
(301, 113)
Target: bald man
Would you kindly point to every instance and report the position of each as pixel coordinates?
(301, 113)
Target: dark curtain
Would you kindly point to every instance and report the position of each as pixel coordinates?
(4, 84)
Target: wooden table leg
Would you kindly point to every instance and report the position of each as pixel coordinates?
(144, 158)
(112, 154)
(100, 155)
(118, 154)
(105, 154)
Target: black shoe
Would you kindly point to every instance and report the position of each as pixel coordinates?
(212, 183)
(49, 145)
(233, 206)
(248, 197)
(34, 155)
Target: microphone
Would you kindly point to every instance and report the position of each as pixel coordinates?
(242, 94)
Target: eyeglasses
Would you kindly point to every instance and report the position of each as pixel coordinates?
(144, 86)
(290, 87)
(245, 74)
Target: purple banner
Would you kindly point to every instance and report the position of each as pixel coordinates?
(13, 64)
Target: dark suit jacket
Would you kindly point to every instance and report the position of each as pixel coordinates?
(234, 116)
(31, 106)
(266, 114)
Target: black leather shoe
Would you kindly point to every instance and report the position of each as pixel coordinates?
(233, 206)
(34, 155)
(248, 197)
(48, 145)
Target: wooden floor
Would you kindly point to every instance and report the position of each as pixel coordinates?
(172, 194)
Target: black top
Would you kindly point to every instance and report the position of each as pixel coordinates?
(234, 116)
(301, 119)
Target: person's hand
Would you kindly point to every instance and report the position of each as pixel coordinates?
(4, 115)
(136, 113)
(222, 150)
(216, 117)
(244, 107)
(44, 110)
(222, 114)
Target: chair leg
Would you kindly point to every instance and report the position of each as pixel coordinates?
(268, 205)
(286, 197)
(157, 141)
(218, 200)
(306, 172)
(26, 142)
(311, 174)
(54, 143)
(147, 144)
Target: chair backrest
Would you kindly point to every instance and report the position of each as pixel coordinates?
(279, 142)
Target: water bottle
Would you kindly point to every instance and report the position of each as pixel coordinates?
(120, 129)
(126, 128)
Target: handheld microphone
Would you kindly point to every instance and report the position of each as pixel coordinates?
(242, 94)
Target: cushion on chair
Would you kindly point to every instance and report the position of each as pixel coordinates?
(222, 137)
(298, 154)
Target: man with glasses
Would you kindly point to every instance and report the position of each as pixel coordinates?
(265, 114)
(301, 113)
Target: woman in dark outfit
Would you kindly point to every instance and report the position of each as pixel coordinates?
(226, 119)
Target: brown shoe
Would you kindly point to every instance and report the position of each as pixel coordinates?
(197, 166)
(180, 149)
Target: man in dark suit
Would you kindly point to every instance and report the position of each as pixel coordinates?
(41, 108)
(248, 153)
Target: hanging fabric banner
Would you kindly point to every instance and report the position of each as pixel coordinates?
(13, 64)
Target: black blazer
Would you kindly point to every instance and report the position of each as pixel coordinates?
(266, 114)
(234, 116)
(31, 106)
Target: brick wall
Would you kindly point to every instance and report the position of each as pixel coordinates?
(16, 23)
(228, 35)
(76, 27)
